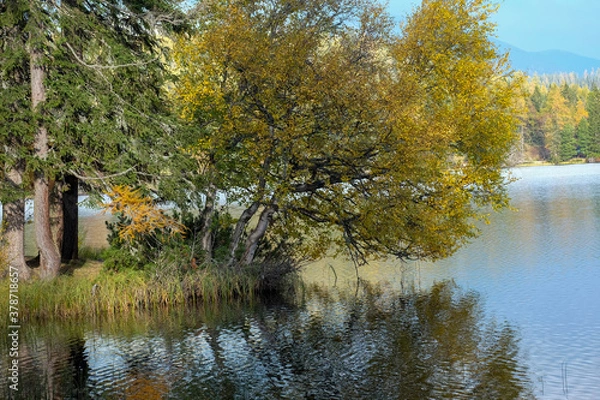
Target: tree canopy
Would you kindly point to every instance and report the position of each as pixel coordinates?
(338, 131)
(81, 99)
(330, 129)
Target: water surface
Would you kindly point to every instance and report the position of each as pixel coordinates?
(537, 267)
(374, 343)
(521, 320)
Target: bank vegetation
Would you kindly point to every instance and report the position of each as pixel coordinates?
(327, 128)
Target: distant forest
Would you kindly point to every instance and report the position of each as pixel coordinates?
(561, 118)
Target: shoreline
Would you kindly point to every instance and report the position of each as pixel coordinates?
(540, 163)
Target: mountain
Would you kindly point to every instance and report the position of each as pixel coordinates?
(549, 61)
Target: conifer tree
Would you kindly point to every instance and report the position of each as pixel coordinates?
(81, 94)
(538, 99)
(583, 138)
(569, 92)
(557, 117)
(593, 108)
(568, 147)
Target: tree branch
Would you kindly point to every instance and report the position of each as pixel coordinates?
(321, 183)
(98, 66)
(100, 178)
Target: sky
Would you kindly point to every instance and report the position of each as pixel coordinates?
(536, 25)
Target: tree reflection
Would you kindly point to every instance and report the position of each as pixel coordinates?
(378, 345)
(375, 344)
(53, 364)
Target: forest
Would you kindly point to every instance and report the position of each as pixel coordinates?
(561, 119)
(276, 131)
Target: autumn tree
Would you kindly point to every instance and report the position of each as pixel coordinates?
(332, 130)
(81, 82)
(557, 117)
(556, 120)
(141, 230)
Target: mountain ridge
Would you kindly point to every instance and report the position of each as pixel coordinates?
(547, 61)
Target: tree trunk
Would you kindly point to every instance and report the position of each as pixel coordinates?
(240, 228)
(248, 213)
(56, 212)
(49, 256)
(70, 243)
(206, 234)
(257, 234)
(13, 218)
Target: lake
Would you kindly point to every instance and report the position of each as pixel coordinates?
(537, 267)
(513, 315)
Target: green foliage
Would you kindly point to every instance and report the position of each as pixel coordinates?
(538, 99)
(584, 139)
(593, 109)
(103, 107)
(117, 259)
(568, 148)
(144, 235)
(143, 250)
(560, 113)
(95, 73)
(221, 228)
(569, 93)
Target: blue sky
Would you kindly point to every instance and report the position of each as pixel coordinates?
(535, 25)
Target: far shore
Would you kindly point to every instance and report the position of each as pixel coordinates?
(541, 163)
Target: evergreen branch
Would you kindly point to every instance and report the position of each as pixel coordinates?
(98, 66)
(101, 178)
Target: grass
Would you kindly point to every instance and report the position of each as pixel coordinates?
(87, 290)
(90, 253)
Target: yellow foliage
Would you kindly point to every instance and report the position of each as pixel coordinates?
(560, 114)
(580, 112)
(386, 143)
(141, 213)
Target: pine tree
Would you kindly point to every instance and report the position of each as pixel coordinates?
(593, 108)
(583, 138)
(82, 80)
(16, 130)
(569, 92)
(538, 99)
(568, 148)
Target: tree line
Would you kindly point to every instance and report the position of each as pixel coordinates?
(324, 126)
(589, 78)
(561, 118)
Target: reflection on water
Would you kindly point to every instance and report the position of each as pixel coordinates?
(370, 344)
(537, 266)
